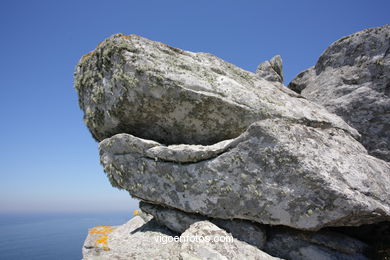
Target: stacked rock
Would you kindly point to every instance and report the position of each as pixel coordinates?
(210, 148)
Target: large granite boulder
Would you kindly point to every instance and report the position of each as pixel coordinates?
(352, 79)
(140, 239)
(276, 172)
(129, 84)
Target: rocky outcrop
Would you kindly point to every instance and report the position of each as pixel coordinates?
(140, 240)
(352, 80)
(211, 149)
(271, 70)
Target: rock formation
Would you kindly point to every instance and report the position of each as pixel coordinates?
(352, 80)
(209, 148)
(271, 70)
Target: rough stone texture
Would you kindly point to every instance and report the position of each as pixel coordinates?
(302, 80)
(138, 239)
(294, 244)
(218, 250)
(129, 84)
(271, 70)
(176, 220)
(134, 240)
(352, 79)
(179, 221)
(279, 173)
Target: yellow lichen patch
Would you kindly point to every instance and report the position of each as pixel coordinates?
(102, 232)
(87, 55)
(100, 44)
(124, 36)
(136, 212)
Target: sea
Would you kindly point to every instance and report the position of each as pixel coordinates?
(51, 235)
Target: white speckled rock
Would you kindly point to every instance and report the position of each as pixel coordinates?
(352, 79)
(278, 172)
(129, 84)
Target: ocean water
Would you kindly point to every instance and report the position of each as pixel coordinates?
(50, 235)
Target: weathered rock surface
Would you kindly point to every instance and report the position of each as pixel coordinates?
(179, 221)
(298, 245)
(218, 250)
(352, 79)
(138, 239)
(132, 85)
(271, 70)
(278, 173)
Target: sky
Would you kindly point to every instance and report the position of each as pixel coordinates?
(48, 160)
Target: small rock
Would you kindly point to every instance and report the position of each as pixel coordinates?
(271, 70)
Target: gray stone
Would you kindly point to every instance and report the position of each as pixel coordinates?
(352, 79)
(142, 240)
(179, 221)
(129, 84)
(136, 239)
(278, 172)
(176, 220)
(302, 80)
(294, 244)
(230, 249)
(271, 70)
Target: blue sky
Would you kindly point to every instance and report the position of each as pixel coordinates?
(48, 159)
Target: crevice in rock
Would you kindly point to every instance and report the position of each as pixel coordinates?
(194, 153)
